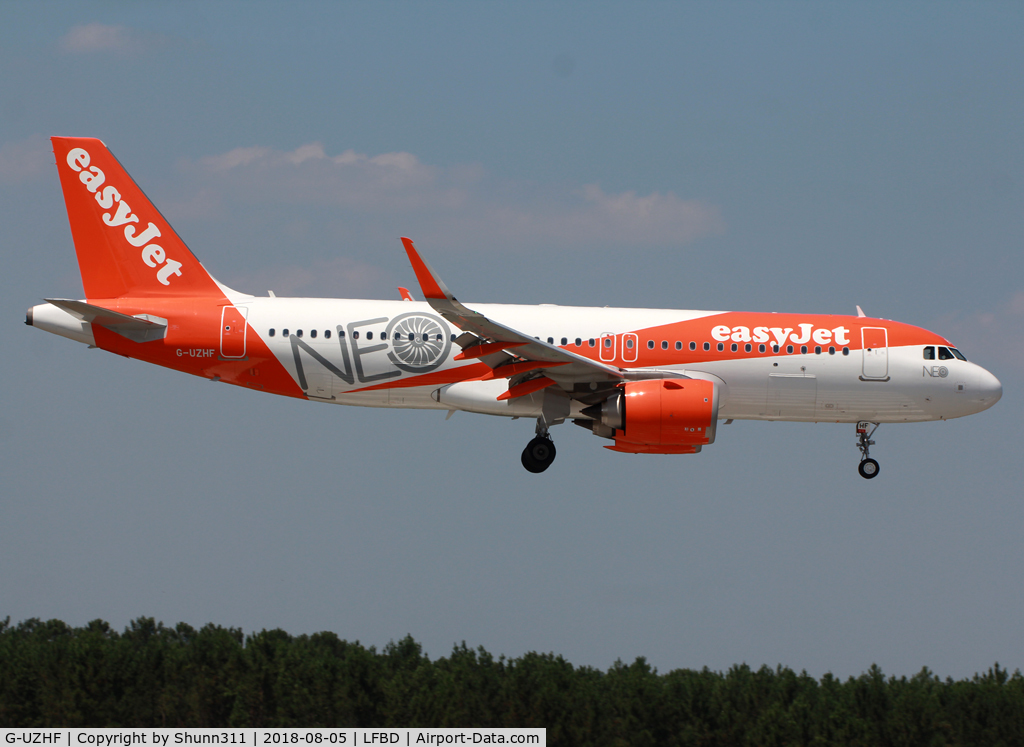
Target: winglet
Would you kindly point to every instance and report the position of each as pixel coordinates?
(860, 312)
(430, 283)
(405, 294)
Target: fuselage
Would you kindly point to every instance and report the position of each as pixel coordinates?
(768, 366)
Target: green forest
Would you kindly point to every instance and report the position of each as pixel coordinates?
(52, 674)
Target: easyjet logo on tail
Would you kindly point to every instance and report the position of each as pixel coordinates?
(152, 254)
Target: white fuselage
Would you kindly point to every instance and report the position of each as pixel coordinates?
(800, 387)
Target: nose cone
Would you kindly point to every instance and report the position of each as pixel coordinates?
(988, 389)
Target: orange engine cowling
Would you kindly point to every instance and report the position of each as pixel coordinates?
(666, 416)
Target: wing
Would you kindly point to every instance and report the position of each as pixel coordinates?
(529, 362)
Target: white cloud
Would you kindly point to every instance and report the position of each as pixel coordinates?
(99, 37)
(458, 205)
(340, 277)
(26, 159)
(235, 158)
(308, 174)
(592, 215)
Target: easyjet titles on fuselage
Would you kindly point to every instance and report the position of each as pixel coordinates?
(808, 332)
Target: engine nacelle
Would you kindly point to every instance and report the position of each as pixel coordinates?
(661, 416)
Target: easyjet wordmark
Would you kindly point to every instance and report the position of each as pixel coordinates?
(152, 254)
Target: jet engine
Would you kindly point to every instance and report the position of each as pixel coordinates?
(660, 416)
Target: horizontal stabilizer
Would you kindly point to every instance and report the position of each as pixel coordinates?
(141, 328)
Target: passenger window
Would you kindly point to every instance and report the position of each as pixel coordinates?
(383, 335)
(629, 343)
(721, 347)
(284, 332)
(312, 333)
(355, 335)
(693, 345)
(327, 334)
(453, 337)
(831, 350)
(735, 347)
(341, 334)
(747, 348)
(664, 344)
(679, 345)
(803, 350)
(789, 348)
(551, 341)
(944, 354)
(298, 333)
(565, 341)
(775, 348)
(271, 331)
(592, 342)
(425, 337)
(761, 348)
(929, 353)
(438, 338)
(817, 349)
(607, 342)
(369, 335)
(650, 344)
(578, 342)
(707, 346)
(958, 354)
(846, 351)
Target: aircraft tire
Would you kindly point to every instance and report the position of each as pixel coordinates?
(868, 469)
(538, 454)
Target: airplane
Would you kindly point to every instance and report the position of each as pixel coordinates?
(650, 381)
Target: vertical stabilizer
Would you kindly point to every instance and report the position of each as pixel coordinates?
(125, 247)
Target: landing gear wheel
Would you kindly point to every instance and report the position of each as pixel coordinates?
(539, 454)
(868, 469)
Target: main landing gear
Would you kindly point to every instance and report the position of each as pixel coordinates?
(868, 467)
(540, 452)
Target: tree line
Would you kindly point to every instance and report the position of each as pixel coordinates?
(52, 674)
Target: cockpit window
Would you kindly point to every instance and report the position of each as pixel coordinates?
(958, 354)
(944, 354)
(929, 353)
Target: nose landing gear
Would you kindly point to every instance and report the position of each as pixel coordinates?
(868, 467)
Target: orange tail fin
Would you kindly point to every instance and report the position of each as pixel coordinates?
(125, 247)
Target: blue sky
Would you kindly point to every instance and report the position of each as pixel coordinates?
(789, 156)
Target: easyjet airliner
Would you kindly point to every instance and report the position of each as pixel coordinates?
(651, 381)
